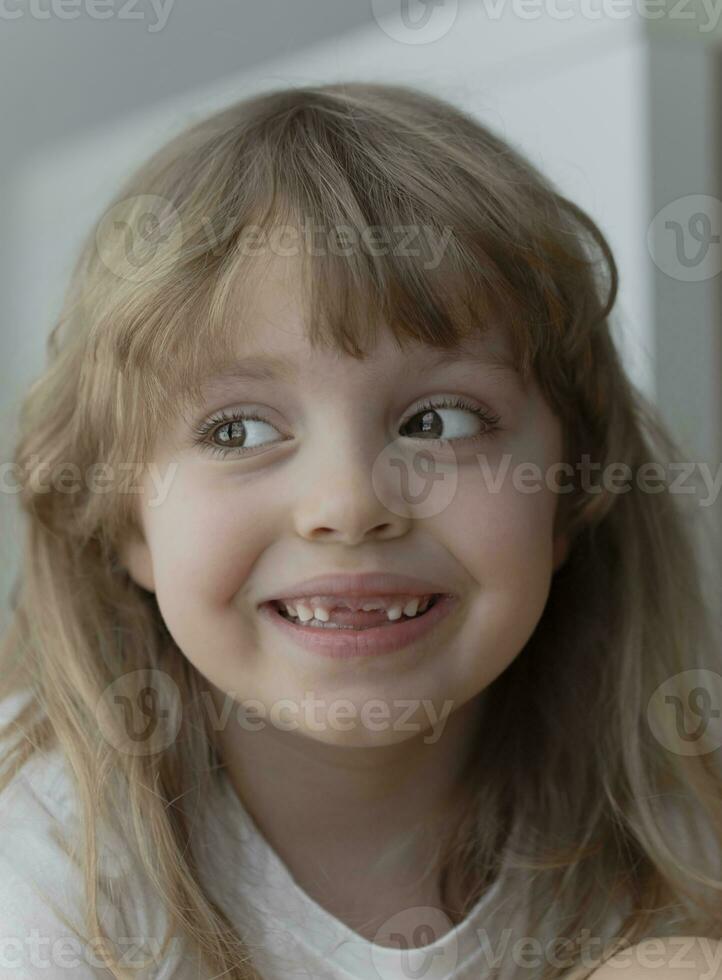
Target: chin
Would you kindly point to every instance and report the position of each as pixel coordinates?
(359, 737)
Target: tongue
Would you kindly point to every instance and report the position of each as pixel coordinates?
(350, 617)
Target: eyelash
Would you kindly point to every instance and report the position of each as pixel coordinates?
(201, 432)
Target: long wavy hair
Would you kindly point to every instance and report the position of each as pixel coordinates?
(570, 785)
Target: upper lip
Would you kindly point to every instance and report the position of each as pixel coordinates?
(360, 584)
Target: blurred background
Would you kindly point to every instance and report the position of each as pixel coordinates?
(617, 101)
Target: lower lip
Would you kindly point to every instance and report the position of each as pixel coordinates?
(345, 643)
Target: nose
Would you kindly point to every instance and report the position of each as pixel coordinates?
(341, 505)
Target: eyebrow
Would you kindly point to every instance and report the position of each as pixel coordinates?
(263, 367)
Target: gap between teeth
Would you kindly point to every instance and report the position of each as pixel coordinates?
(306, 613)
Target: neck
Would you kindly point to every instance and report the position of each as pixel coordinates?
(348, 821)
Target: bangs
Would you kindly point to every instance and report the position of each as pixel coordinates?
(393, 229)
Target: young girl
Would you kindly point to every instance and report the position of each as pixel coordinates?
(339, 648)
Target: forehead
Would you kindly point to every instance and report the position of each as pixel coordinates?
(269, 336)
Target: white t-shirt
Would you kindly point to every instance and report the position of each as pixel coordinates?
(288, 934)
(296, 938)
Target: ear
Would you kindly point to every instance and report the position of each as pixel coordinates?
(135, 557)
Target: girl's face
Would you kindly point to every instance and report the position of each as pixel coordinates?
(339, 476)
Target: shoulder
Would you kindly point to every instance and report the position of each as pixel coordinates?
(37, 796)
(42, 883)
(667, 958)
(42, 886)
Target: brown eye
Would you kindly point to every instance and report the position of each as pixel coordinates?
(234, 433)
(450, 420)
(231, 433)
(430, 423)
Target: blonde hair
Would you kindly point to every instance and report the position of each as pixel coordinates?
(565, 780)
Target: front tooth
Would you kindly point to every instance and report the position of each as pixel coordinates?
(411, 607)
(304, 612)
(322, 614)
(394, 612)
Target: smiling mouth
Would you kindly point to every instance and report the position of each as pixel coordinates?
(353, 620)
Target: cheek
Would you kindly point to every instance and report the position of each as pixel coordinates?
(500, 524)
(205, 540)
(504, 535)
(503, 540)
